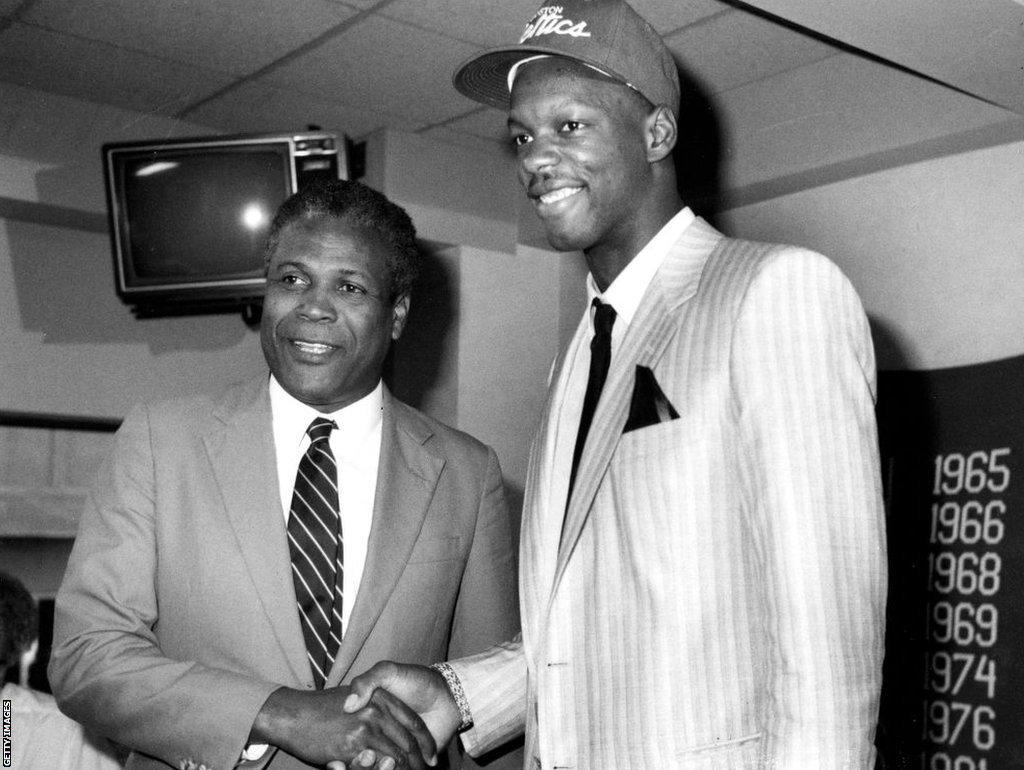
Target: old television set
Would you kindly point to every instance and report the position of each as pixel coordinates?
(188, 217)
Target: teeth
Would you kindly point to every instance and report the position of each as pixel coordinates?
(557, 195)
(312, 347)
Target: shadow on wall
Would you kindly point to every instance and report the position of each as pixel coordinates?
(422, 366)
(698, 153)
(891, 353)
(64, 287)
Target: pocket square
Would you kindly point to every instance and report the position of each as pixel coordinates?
(649, 406)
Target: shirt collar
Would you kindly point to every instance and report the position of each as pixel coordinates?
(356, 420)
(631, 284)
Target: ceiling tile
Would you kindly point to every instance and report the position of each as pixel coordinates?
(260, 106)
(459, 139)
(739, 47)
(99, 72)
(236, 36)
(668, 15)
(399, 69)
(485, 24)
(975, 47)
(486, 123)
(492, 24)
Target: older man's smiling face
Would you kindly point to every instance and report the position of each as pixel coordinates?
(328, 314)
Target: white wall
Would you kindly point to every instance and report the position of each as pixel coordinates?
(67, 344)
(935, 248)
(915, 190)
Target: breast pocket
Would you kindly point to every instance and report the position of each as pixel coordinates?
(655, 439)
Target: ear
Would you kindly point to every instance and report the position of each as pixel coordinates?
(661, 132)
(399, 315)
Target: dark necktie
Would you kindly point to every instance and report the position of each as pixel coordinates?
(314, 539)
(600, 358)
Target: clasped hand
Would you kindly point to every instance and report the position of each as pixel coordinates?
(422, 691)
(314, 726)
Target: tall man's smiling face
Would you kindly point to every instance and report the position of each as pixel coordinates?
(328, 314)
(582, 154)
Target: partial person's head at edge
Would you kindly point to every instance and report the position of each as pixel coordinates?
(19, 625)
(592, 95)
(341, 260)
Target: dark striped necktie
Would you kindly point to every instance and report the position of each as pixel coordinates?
(315, 542)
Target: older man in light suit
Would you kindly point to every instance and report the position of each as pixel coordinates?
(183, 626)
(702, 570)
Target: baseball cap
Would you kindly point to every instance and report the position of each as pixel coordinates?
(607, 35)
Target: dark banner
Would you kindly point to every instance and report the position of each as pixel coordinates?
(952, 451)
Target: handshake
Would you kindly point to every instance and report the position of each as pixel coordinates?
(392, 716)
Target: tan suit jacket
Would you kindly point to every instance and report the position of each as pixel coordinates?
(177, 615)
(717, 598)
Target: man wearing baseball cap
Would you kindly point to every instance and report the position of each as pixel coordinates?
(702, 577)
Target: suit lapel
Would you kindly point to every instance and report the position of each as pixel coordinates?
(542, 516)
(406, 478)
(240, 445)
(648, 335)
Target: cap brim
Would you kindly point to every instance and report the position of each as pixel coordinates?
(484, 78)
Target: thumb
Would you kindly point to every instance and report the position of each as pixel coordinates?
(363, 687)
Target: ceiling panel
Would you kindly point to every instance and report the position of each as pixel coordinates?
(236, 36)
(492, 24)
(976, 46)
(482, 23)
(735, 48)
(462, 139)
(260, 106)
(87, 69)
(835, 111)
(668, 15)
(487, 123)
(396, 68)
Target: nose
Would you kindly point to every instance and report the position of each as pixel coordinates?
(318, 305)
(538, 156)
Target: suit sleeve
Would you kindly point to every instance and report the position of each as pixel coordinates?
(487, 611)
(107, 670)
(495, 683)
(803, 370)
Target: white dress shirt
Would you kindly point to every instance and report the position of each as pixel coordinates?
(356, 447)
(624, 294)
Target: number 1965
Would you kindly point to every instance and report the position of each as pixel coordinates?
(977, 472)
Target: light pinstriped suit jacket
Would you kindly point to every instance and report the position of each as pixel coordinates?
(176, 618)
(718, 598)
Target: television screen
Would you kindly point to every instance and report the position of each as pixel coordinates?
(189, 218)
(201, 215)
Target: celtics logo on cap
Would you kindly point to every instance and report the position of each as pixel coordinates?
(550, 21)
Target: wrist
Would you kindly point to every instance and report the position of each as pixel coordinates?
(461, 716)
(275, 718)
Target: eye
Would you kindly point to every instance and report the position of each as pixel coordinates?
(292, 280)
(518, 140)
(571, 126)
(351, 288)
